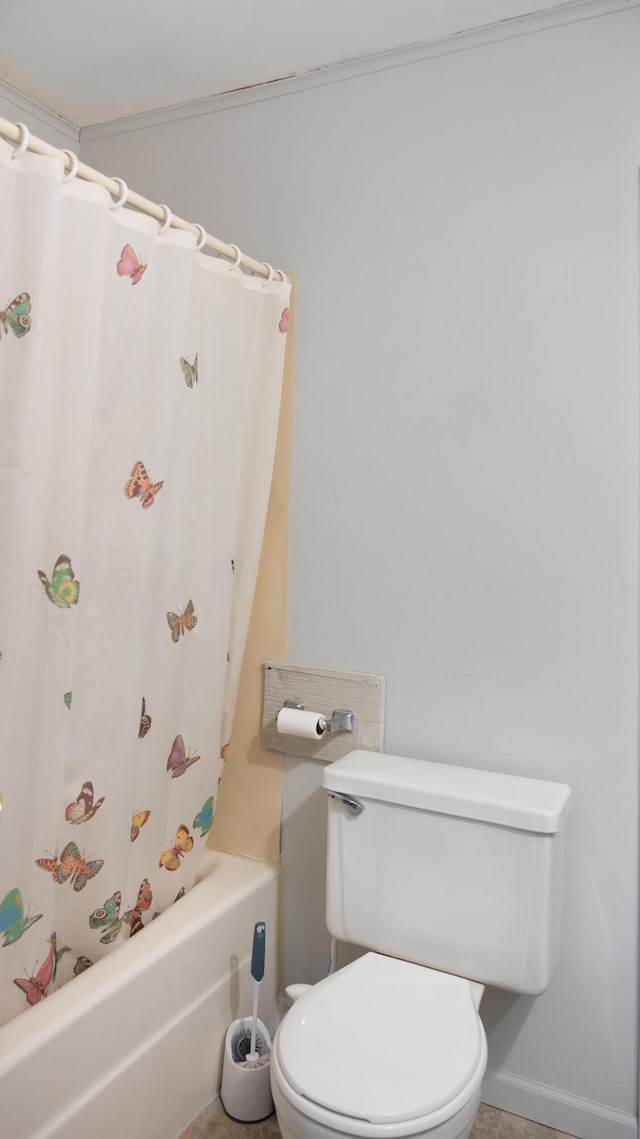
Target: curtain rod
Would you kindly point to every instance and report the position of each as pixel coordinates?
(19, 133)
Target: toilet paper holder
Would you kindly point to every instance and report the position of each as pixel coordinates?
(342, 720)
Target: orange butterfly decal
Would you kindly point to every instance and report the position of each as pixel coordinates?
(140, 486)
(284, 320)
(71, 865)
(170, 859)
(84, 807)
(137, 822)
(133, 917)
(129, 265)
(178, 623)
(145, 721)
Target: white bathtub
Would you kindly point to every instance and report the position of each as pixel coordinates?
(132, 1048)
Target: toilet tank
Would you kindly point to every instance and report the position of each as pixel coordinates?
(453, 868)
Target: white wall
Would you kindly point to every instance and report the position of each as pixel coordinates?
(465, 470)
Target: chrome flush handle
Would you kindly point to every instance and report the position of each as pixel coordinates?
(354, 806)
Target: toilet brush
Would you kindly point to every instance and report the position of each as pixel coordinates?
(246, 1090)
(248, 1046)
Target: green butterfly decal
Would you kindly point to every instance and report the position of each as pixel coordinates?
(67, 699)
(190, 370)
(13, 922)
(109, 916)
(57, 954)
(16, 316)
(204, 818)
(63, 590)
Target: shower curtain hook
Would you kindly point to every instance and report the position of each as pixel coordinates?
(238, 256)
(167, 220)
(203, 236)
(283, 276)
(73, 169)
(124, 193)
(270, 277)
(24, 140)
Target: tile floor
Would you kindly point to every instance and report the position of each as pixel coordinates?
(212, 1123)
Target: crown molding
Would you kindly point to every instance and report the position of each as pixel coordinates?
(26, 106)
(572, 12)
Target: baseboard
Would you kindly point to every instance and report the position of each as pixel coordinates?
(576, 1116)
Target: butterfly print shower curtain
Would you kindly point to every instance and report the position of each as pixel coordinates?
(139, 393)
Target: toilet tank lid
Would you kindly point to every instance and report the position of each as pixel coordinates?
(506, 800)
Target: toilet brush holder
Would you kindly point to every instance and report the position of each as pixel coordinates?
(245, 1092)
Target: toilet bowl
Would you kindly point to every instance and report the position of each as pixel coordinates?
(382, 1048)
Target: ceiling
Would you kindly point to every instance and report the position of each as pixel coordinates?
(98, 60)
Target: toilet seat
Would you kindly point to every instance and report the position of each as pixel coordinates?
(382, 1042)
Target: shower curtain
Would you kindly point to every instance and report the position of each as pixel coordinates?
(139, 398)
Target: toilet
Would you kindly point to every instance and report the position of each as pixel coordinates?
(452, 879)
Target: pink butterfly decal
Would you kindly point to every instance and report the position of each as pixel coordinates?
(284, 320)
(178, 760)
(36, 988)
(130, 266)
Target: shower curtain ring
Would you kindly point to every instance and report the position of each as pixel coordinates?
(167, 220)
(238, 256)
(270, 277)
(283, 276)
(203, 236)
(73, 169)
(124, 193)
(24, 140)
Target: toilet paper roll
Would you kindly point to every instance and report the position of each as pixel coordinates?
(304, 725)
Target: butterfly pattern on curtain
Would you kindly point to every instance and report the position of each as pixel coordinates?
(102, 756)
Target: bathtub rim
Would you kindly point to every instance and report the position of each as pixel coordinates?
(199, 907)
